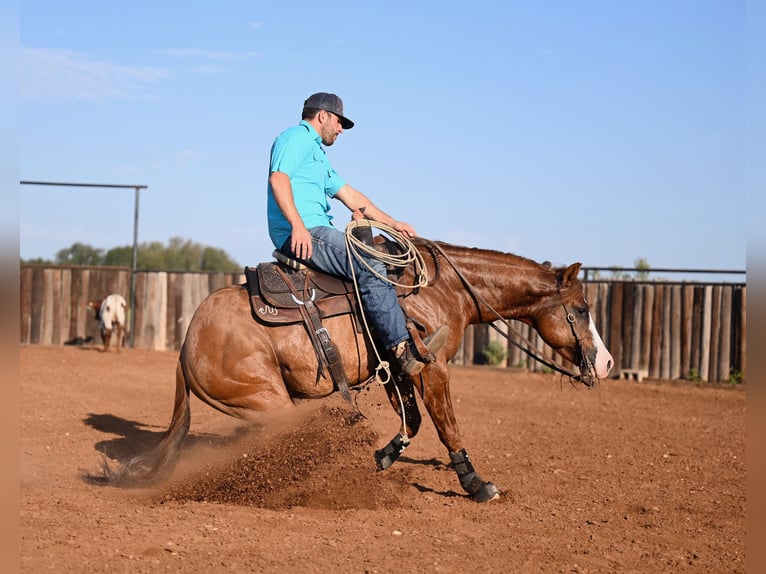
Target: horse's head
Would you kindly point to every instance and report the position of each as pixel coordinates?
(564, 322)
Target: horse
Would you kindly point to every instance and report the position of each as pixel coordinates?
(110, 314)
(241, 367)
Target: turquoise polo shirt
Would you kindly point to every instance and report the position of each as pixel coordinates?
(298, 152)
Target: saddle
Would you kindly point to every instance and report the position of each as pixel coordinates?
(279, 290)
(285, 292)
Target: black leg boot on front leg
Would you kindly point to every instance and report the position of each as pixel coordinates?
(471, 482)
(387, 455)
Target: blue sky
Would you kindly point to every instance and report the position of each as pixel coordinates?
(599, 131)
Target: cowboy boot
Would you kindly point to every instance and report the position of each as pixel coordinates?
(410, 361)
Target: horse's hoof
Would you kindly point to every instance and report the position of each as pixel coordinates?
(486, 492)
(387, 455)
(382, 460)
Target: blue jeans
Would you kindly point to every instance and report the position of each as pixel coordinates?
(379, 300)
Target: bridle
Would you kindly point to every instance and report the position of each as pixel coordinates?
(585, 363)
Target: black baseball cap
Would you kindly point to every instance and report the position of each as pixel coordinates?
(329, 103)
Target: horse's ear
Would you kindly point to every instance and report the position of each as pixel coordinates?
(570, 274)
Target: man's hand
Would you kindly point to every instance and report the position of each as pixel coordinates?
(358, 214)
(300, 243)
(405, 229)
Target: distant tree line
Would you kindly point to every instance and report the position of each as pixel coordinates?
(643, 269)
(178, 255)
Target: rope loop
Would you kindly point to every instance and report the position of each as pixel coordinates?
(409, 255)
(355, 247)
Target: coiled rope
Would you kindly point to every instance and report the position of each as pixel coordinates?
(409, 255)
(357, 249)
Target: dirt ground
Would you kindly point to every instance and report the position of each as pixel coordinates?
(629, 477)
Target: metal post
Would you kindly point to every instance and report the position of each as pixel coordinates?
(134, 265)
(133, 268)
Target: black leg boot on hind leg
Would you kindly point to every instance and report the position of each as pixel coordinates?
(471, 482)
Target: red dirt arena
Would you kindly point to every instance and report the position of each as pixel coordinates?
(629, 477)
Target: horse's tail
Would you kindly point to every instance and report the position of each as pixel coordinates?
(152, 466)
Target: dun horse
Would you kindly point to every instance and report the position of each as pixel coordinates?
(237, 364)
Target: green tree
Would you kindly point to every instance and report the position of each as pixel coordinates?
(119, 257)
(179, 255)
(217, 260)
(183, 254)
(642, 270)
(80, 254)
(37, 261)
(153, 255)
(643, 267)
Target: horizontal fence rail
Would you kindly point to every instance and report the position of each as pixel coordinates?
(665, 330)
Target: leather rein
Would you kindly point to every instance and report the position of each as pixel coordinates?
(587, 380)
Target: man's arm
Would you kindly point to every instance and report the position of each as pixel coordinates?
(355, 199)
(300, 239)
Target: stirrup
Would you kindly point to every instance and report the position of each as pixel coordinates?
(408, 363)
(437, 339)
(425, 349)
(416, 353)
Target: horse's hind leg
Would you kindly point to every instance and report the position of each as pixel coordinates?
(106, 336)
(120, 337)
(401, 393)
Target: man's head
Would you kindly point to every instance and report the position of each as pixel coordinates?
(325, 112)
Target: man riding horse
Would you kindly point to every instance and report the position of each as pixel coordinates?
(243, 365)
(301, 181)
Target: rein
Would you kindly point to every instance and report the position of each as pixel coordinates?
(526, 348)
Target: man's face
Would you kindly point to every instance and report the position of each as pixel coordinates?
(330, 128)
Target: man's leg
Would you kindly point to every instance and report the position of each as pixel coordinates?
(378, 296)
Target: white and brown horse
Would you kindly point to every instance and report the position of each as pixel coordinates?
(240, 366)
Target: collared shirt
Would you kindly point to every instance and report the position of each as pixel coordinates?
(298, 153)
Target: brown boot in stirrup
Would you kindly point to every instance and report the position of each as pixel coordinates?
(410, 360)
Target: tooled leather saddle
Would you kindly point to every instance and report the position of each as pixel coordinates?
(285, 292)
(280, 289)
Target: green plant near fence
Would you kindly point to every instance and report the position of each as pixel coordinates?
(694, 375)
(494, 353)
(735, 377)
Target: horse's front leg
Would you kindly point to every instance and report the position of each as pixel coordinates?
(438, 402)
(401, 395)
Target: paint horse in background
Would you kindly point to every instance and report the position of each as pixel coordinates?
(110, 314)
(238, 363)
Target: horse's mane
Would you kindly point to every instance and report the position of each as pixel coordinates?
(479, 254)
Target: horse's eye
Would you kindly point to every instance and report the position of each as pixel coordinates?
(582, 311)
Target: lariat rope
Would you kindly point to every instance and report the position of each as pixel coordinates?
(355, 249)
(409, 256)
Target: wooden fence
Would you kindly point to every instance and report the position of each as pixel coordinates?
(661, 330)
(53, 302)
(653, 329)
